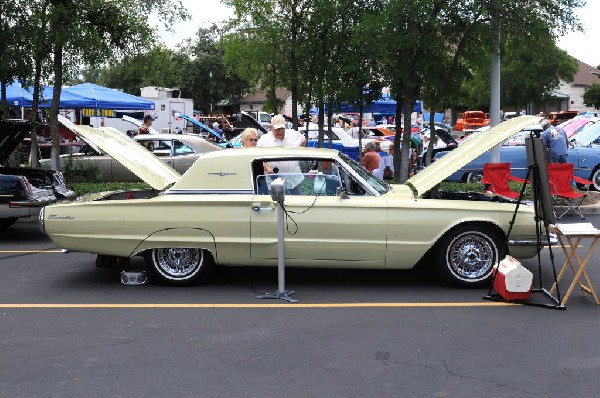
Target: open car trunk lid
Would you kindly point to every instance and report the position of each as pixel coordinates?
(12, 133)
(467, 152)
(130, 154)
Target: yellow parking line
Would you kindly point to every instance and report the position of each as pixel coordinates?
(282, 305)
(30, 251)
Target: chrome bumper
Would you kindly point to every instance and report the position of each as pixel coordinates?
(533, 242)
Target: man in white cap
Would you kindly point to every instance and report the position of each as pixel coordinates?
(279, 137)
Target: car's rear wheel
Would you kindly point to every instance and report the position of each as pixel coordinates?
(7, 222)
(473, 177)
(465, 255)
(178, 266)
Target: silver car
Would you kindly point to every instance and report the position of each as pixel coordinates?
(179, 151)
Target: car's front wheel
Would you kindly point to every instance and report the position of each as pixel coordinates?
(178, 266)
(465, 255)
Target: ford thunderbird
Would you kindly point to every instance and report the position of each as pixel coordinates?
(220, 213)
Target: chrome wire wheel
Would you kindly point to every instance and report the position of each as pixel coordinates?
(474, 177)
(596, 179)
(471, 255)
(177, 263)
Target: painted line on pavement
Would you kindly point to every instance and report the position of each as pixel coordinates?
(296, 305)
(30, 251)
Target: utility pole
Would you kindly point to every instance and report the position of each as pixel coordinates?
(495, 82)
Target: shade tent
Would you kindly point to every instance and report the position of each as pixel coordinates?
(67, 100)
(17, 95)
(385, 105)
(108, 98)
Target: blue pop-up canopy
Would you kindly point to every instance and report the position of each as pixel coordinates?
(384, 105)
(108, 98)
(17, 95)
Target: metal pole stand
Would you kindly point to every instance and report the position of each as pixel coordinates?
(281, 293)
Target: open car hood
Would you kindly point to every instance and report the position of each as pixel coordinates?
(467, 152)
(12, 133)
(130, 154)
(588, 135)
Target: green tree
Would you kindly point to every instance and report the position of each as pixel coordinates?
(205, 78)
(92, 31)
(13, 65)
(158, 66)
(591, 96)
(532, 66)
(272, 38)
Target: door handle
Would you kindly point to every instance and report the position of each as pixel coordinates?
(258, 209)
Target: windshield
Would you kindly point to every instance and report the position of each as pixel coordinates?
(377, 184)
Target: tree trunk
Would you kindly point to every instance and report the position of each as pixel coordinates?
(54, 129)
(360, 122)
(405, 151)
(329, 126)
(294, 90)
(321, 121)
(306, 121)
(432, 137)
(398, 139)
(35, 160)
(3, 94)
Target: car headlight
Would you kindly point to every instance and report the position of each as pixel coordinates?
(41, 225)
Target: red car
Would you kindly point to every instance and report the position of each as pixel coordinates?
(472, 120)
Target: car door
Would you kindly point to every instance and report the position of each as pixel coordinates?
(321, 227)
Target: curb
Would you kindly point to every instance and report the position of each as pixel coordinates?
(590, 209)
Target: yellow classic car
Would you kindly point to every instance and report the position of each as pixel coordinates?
(339, 215)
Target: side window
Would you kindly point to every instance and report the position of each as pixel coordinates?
(162, 147)
(306, 177)
(182, 149)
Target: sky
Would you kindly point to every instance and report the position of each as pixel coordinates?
(581, 45)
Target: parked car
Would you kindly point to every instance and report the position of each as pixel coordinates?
(585, 158)
(348, 144)
(217, 213)
(561, 116)
(24, 191)
(179, 151)
(472, 120)
(445, 140)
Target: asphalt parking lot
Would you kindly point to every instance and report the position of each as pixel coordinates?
(70, 329)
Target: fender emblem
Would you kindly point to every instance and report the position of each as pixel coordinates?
(56, 217)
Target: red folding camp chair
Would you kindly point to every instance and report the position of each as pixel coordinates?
(561, 187)
(496, 177)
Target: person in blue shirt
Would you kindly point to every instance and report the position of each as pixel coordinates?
(555, 139)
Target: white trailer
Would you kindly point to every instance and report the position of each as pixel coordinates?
(167, 104)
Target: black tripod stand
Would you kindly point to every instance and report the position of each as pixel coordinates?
(544, 215)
